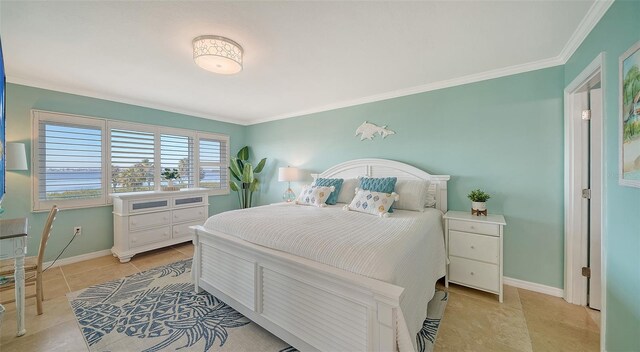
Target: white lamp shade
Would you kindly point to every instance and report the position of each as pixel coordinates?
(16, 157)
(288, 174)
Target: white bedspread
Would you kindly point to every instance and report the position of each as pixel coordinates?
(405, 249)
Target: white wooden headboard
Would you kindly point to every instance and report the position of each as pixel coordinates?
(391, 168)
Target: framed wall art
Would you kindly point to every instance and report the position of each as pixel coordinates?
(630, 117)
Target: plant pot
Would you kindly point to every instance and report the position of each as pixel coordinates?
(478, 208)
(170, 186)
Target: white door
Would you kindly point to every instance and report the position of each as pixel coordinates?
(595, 203)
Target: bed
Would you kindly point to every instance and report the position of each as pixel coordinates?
(325, 279)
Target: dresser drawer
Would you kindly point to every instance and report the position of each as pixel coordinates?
(472, 246)
(474, 273)
(146, 205)
(189, 214)
(144, 237)
(189, 201)
(142, 221)
(183, 230)
(474, 227)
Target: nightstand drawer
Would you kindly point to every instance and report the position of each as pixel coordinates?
(474, 273)
(474, 227)
(472, 246)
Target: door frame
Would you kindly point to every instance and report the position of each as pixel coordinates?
(576, 240)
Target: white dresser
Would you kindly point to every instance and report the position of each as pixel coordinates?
(143, 221)
(474, 249)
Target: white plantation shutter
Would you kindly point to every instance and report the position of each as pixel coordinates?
(132, 160)
(77, 161)
(68, 161)
(214, 162)
(176, 152)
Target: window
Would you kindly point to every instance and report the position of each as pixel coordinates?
(176, 152)
(132, 160)
(78, 161)
(68, 157)
(214, 162)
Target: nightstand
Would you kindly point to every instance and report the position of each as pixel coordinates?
(474, 250)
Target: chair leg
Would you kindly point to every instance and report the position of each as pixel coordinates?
(39, 296)
(41, 288)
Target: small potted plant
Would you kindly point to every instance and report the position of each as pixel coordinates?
(478, 202)
(170, 175)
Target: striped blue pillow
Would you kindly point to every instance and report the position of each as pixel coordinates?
(382, 184)
(328, 182)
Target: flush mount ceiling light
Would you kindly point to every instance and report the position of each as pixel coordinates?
(217, 54)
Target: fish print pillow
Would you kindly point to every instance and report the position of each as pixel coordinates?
(314, 195)
(370, 202)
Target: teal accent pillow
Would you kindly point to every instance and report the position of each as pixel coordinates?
(383, 185)
(328, 182)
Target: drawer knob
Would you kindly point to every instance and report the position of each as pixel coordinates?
(473, 247)
(472, 227)
(472, 273)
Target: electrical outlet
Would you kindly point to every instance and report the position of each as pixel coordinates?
(77, 231)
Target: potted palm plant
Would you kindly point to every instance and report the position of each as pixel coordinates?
(478, 202)
(244, 172)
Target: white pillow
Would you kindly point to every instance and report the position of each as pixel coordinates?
(413, 194)
(370, 202)
(314, 195)
(348, 190)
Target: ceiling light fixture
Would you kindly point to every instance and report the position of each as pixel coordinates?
(217, 54)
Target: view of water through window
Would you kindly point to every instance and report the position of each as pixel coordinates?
(71, 163)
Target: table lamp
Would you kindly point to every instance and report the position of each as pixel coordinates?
(288, 174)
(16, 159)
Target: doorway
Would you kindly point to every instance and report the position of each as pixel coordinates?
(584, 236)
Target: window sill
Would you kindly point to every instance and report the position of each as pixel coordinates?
(62, 206)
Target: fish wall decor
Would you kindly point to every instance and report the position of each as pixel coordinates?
(368, 130)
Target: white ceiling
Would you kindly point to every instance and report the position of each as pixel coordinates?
(300, 57)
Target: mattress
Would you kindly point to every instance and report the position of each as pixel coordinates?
(405, 249)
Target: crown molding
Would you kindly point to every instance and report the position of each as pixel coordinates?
(483, 76)
(118, 99)
(589, 21)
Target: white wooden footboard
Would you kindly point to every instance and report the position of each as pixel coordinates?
(312, 306)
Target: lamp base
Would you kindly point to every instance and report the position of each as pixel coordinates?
(289, 196)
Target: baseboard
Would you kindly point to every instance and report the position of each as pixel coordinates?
(78, 258)
(532, 286)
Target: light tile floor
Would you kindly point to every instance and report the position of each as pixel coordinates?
(473, 320)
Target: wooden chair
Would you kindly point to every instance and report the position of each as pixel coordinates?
(32, 266)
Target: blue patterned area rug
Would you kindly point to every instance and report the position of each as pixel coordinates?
(158, 310)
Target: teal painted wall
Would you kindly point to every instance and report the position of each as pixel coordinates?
(616, 32)
(503, 135)
(97, 223)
